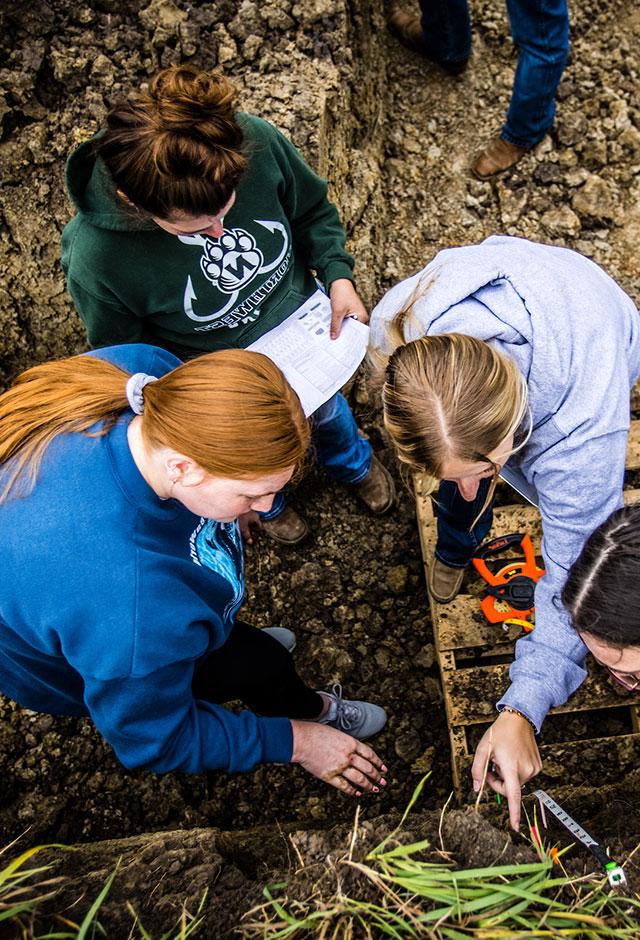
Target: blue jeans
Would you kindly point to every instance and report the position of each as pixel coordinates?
(540, 29)
(339, 447)
(456, 540)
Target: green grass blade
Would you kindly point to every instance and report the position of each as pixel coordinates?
(95, 907)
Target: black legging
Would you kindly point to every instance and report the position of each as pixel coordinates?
(255, 668)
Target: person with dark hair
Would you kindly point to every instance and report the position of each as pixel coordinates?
(540, 29)
(602, 595)
(198, 228)
(122, 475)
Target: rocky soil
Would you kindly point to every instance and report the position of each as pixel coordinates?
(395, 137)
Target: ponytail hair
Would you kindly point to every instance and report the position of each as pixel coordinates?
(602, 590)
(451, 397)
(176, 147)
(232, 412)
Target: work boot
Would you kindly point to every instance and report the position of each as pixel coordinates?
(377, 491)
(287, 527)
(496, 157)
(443, 582)
(284, 637)
(407, 27)
(359, 719)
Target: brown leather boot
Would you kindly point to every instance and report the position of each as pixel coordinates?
(407, 27)
(443, 582)
(496, 157)
(288, 527)
(377, 491)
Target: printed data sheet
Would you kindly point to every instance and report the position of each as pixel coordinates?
(315, 365)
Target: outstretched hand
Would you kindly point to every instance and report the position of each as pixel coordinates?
(246, 522)
(337, 758)
(509, 746)
(345, 303)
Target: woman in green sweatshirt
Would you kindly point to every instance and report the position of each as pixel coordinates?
(197, 229)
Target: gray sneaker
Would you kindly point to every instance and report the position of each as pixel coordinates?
(359, 719)
(286, 638)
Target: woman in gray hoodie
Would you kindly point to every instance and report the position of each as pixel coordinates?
(515, 358)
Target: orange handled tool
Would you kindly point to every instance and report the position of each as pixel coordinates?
(511, 589)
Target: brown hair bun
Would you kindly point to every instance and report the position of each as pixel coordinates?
(176, 147)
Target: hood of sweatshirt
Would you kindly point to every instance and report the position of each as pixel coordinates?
(94, 194)
(550, 309)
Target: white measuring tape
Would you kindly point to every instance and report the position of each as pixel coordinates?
(614, 872)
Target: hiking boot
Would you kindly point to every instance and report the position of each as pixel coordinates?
(359, 719)
(443, 582)
(377, 491)
(407, 28)
(284, 637)
(499, 155)
(287, 527)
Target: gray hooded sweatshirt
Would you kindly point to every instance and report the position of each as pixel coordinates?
(575, 336)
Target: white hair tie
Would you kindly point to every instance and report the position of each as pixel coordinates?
(134, 390)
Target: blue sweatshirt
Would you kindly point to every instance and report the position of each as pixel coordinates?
(575, 336)
(109, 598)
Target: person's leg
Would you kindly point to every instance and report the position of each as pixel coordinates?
(339, 446)
(446, 30)
(347, 455)
(540, 29)
(442, 32)
(255, 668)
(457, 541)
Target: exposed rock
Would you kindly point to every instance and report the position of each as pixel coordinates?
(595, 199)
(561, 222)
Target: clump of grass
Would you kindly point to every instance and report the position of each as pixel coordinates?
(20, 894)
(400, 894)
(20, 897)
(90, 928)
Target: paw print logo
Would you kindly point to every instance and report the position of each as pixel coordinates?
(232, 260)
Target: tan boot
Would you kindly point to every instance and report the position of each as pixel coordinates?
(443, 582)
(407, 27)
(288, 527)
(377, 491)
(496, 157)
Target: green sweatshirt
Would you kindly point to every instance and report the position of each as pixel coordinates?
(133, 282)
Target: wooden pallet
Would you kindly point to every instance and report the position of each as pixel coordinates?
(474, 658)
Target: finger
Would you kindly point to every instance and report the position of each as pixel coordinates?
(337, 316)
(245, 532)
(367, 768)
(340, 783)
(369, 754)
(361, 315)
(513, 794)
(480, 764)
(361, 781)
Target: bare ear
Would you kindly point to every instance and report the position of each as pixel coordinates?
(183, 470)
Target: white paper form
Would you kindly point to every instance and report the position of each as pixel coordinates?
(315, 365)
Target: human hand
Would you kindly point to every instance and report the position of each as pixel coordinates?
(510, 743)
(245, 521)
(337, 758)
(345, 303)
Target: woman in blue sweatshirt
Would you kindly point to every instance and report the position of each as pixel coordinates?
(122, 475)
(514, 358)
